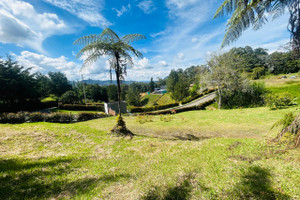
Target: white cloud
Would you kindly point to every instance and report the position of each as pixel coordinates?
(143, 63)
(22, 25)
(87, 10)
(147, 6)
(43, 64)
(163, 63)
(122, 10)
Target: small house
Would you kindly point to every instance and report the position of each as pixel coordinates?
(112, 108)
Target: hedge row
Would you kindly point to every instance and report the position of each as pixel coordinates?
(78, 107)
(151, 108)
(179, 110)
(22, 117)
(26, 106)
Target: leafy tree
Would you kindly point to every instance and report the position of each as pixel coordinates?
(96, 92)
(247, 13)
(133, 97)
(17, 85)
(223, 73)
(181, 88)
(282, 62)
(69, 97)
(59, 83)
(108, 43)
(112, 93)
(172, 80)
(151, 85)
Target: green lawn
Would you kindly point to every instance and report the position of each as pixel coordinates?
(165, 99)
(150, 99)
(223, 154)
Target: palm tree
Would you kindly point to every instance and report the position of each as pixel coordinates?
(246, 13)
(119, 51)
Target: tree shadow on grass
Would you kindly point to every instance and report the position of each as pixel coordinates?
(144, 102)
(28, 179)
(257, 184)
(181, 191)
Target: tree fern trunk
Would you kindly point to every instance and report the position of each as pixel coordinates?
(119, 85)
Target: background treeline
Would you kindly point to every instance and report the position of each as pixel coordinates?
(22, 90)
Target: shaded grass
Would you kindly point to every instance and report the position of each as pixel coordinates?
(82, 161)
(150, 99)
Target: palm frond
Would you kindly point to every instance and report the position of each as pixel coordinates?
(86, 40)
(109, 35)
(132, 38)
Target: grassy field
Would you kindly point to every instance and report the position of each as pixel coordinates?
(277, 85)
(223, 154)
(165, 99)
(150, 99)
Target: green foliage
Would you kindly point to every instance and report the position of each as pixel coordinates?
(252, 13)
(181, 88)
(194, 90)
(69, 97)
(17, 84)
(59, 83)
(112, 93)
(283, 63)
(151, 85)
(172, 80)
(287, 120)
(133, 96)
(151, 108)
(246, 95)
(56, 117)
(277, 101)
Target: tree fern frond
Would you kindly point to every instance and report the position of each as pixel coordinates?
(109, 35)
(85, 40)
(132, 38)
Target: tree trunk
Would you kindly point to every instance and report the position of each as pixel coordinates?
(220, 98)
(119, 86)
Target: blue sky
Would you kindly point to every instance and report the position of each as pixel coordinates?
(180, 33)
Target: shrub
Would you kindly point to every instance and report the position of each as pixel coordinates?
(85, 116)
(144, 118)
(275, 101)
(36, 117)
(151, 108)
(248, 95)
(60, 118)
(13, 118)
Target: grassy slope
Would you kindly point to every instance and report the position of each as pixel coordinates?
(231, 159)
(276, 85)
(150, 99)
(165, 99)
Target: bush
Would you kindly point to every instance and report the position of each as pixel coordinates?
(36, 117)
(89, 116)
(249, 95)
(275, 101)
(13, 118)
(151, 108)
(60, 118)
(22, 117)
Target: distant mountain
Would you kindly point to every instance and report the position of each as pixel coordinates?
(108, 82)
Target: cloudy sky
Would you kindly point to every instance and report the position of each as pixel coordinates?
(180, 33)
